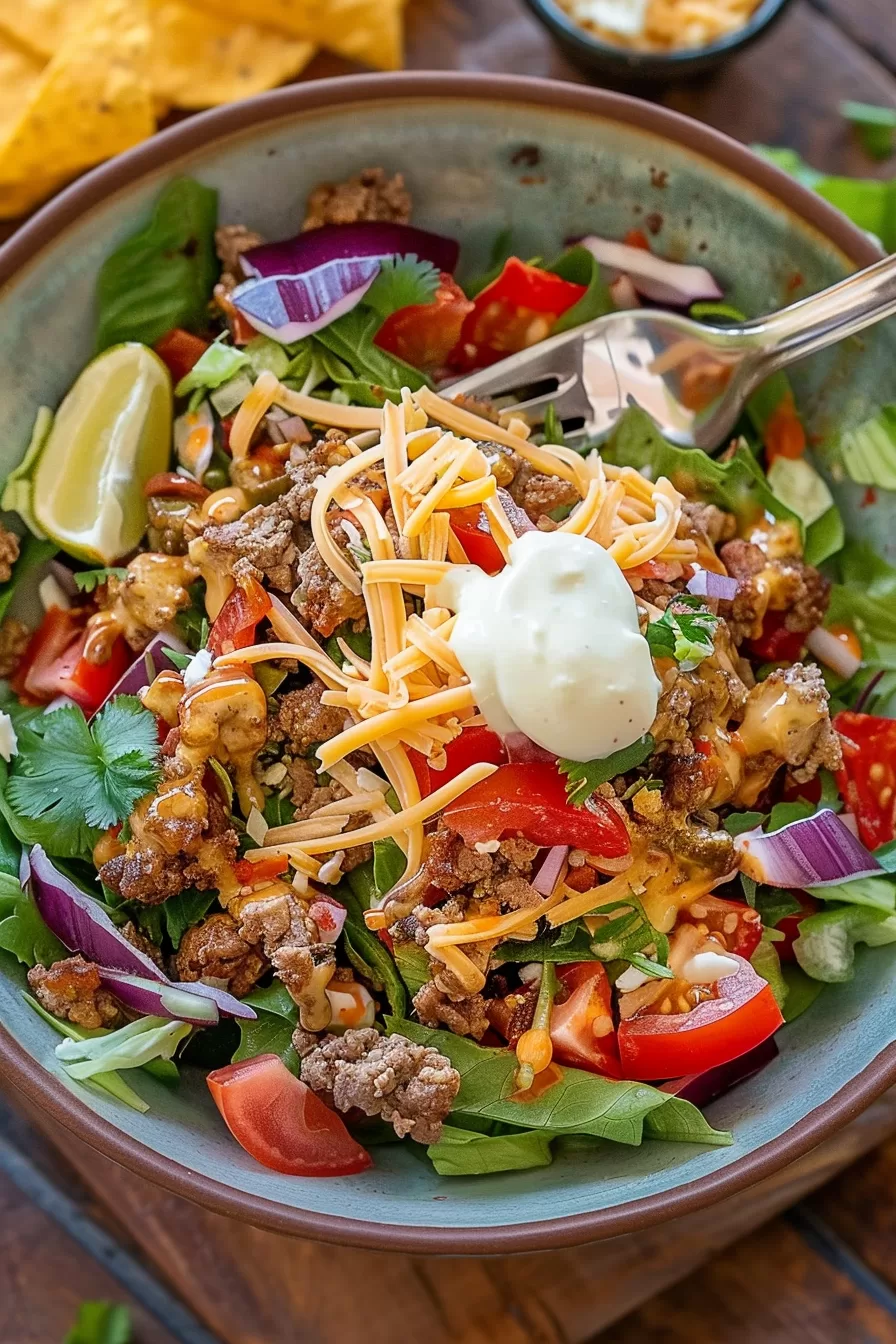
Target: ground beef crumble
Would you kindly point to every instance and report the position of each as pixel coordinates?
(302, 721)
(465, 1017)
(14, 637)
(9, 553)
(369, 196)
(778, 583)
(412, 1087)
(73, 991)
(215, 950)
(231, 241)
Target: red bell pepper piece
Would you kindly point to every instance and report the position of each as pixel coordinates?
(234, 626)
(54, 663)
(470, 526)
(515, 311)
(777, 644)
(529, 799)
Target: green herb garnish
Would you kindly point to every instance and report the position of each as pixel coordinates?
(89, 579)
(583, 777)
(687, 636)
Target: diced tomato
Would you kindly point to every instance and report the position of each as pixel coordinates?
(637, 238)
(655, 1045)
(250, 874)
(54, 663)
(784, 435)
(280, 1122)
(424, 334)
(582, 1031)
(420, 767)
(234, 626)
(470, 526)
(180, 350)
(777, 644)
(470, 747)
(867, 778)
(732, 923)
(515, 311)
(790, 924)
(529, 799)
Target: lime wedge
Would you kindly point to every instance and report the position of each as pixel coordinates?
(111, 433)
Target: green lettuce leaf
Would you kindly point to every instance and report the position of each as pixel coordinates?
(351, 339)
(581, 1103)
(766, 962)
(217, 365)
(112, 1083)
(413, 966)
(464, 1152)
(162, 276)
(271, 1032)
(875, 127)
(869, 203)
(101, 1323)
(825, 948)
(579, 266)
(23, 931)
(865, 601)
(369, 956)
(868, 452)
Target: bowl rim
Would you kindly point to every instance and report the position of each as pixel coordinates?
(38, 1085)
(677, 61)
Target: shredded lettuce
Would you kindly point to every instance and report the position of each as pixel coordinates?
(687, 636)
(825, 948)
(217, 365)
(868, 452)
(870, 204)
(130, 1047)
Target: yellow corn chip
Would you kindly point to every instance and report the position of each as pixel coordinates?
(91, 101)
(198, 59)
(19, 73)
(42, 25)
(369, 31)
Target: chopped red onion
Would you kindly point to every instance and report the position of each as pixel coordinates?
(329, 916)
(152, 660)
(702, 1088)
(521, 748)
(868, 691)
(298, 286)
(817, 851)
(342, 242)
(831, 651)
(661, 281)
(81, 924)
(152, 999)
(545, 880)
(707, 583)
(294, 430)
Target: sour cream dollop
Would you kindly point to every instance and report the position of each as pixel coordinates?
(552, 647)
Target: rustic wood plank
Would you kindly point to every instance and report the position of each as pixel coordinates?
(861, 1207)
(869, 23)
(787, 90)
(254, 1287)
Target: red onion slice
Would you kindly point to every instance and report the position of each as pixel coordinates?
(707, 583)
(153, 999)
(340, 242)
(288, 308)
(818, 851)
(702, 1088)
(83, 926)
(661, 281)
(545, 879)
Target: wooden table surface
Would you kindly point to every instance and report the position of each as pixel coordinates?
(73, 1226)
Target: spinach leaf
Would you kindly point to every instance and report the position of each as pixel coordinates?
(351, 339)
(739, 822)
(389, 864)
(766, 963)
(24, 933)
(581, 1103)
(737, 485)
(681, 1122)
(359, 641)
(775, 904)
(500, 253)
(464, 1152)
(279, 811)
(185, 909)
(802, 991)
(370, 957)
(32, 553)
(581, 267)
(576, 946)
(163, 276)
(10, 851)
(271, 1032)
(413, 966)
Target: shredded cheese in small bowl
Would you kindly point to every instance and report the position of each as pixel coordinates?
(660, 25)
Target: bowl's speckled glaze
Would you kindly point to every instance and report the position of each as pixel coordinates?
(479, 153)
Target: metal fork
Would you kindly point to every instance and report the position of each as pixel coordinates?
(692, 378)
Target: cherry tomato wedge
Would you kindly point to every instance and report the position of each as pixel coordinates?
(518, 309)
(790, 924)
(472, 531)
(867, 778)
(424, 334)
(529, 799)
(582, 1031)
(234, 626)
(54, 664)
(468, 748)
(732, 923)
(280, 1122)
(670, 1045)
(180, 350)
(777, 644)
(250, 874)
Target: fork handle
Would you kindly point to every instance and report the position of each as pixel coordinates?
(821, 320)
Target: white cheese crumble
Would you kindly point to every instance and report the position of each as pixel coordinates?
(197, 669)
(9, 743)
(487, 846)
(705, 968)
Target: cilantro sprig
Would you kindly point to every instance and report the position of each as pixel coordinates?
(685, 635)
(583, 777)
(80, 778)
(89, 579)
(402, 282)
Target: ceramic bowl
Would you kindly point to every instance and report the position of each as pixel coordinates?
(480, 153)
(598, 57)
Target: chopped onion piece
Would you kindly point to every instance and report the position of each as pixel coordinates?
(818, 851)
(147, 665)
(707, 583)
(153, 999)
(329, 916)
(659, 280)
(256, 826)
(831, 651)
(338, 242)
(545, 880)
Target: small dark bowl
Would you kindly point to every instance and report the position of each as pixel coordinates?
(624, 66)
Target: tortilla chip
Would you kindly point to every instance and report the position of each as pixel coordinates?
(369, 31)
(92, 100)
(199, 60)
(42, 25)
(20, 71)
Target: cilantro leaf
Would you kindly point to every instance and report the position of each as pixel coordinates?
(351, 339)
(88, 579)
(402, 282)
(79, 778)
(583, 777)
(687, 636)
